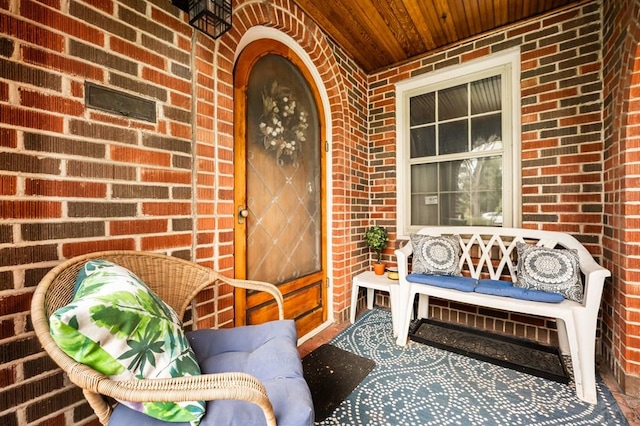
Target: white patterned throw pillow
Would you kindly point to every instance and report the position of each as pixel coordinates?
(551, 270)
(436, 255)
(121, 328)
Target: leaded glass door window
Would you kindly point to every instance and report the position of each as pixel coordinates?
(279, 194)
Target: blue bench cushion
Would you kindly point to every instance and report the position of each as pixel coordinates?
(446, 281)
(505, 288)
(267, 351)
(493, 287)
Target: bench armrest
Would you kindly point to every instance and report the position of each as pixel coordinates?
(594, 276)
(402, 256)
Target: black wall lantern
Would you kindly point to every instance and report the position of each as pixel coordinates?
(212, 17)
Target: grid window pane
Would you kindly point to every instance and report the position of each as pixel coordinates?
(452, 209)
(424, 194)
(453, 137)
(423, 214)
(486, 132)
(486, 95)
(452, 102)
(423, 109)
(448, 175)
(480, 180)
(423, 142)
(424, 178)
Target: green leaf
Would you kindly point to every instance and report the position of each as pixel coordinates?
(153, 304)
(170, 410)
(73, 322)
(185, 365)
(82, 349)
(120, 322)
(143, 351)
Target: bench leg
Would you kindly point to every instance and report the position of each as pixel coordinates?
(403, 328)
(354, 302)
(423, 306)
(582, 345)
(563, 340)
(405, 310)
(394, 296)
(407, 298)
(587, 350)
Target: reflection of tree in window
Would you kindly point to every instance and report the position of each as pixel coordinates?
(456, 147)
(480, 185)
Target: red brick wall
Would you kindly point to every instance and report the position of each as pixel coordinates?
(621, 79)
(562, 147)
(75, 180)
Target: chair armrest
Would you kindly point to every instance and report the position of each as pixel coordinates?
(260, 286)
(206, 387)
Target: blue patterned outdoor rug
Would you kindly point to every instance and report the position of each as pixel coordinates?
(424, 385)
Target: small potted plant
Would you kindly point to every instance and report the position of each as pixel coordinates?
(376, 239)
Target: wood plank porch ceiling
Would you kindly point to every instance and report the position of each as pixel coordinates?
(379, 34)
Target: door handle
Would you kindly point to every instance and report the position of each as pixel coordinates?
(243, 213)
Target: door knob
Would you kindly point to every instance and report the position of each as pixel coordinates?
(242, 214)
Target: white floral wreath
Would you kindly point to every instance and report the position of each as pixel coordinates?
(283, 124)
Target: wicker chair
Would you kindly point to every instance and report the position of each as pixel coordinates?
(186, 280)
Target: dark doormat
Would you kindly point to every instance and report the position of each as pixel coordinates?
(517, 354)
(332, 374)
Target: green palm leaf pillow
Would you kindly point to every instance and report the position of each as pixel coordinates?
(118, 326)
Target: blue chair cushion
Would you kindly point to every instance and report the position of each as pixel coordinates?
(446, 281)
(267, 351)
(506, 289)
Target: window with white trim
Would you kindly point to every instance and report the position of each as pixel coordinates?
(458, 144)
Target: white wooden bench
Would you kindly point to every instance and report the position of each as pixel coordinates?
(490, 253)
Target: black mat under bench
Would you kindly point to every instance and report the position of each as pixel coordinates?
(332, 374)
(511, 352)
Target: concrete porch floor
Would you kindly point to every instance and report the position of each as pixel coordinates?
(630, 406)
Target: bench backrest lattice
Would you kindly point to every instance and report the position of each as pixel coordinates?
(487, 255)
(493, 256)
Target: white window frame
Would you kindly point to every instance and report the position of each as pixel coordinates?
(507, 63)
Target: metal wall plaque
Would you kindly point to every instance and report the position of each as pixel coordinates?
(113, 101)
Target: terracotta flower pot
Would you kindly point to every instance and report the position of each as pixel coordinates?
(378, 268)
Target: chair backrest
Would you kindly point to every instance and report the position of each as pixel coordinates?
(174, 280)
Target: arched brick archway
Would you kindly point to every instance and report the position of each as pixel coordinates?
(620, 334)
(348, 148)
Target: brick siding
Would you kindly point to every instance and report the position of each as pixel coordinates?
(562, 146)
(620, 76)
(75, 179)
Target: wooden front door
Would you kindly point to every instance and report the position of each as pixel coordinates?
(280, 226)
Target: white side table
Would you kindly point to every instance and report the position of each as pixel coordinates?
(372, 282)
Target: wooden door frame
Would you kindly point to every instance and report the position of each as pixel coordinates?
(256, 50)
